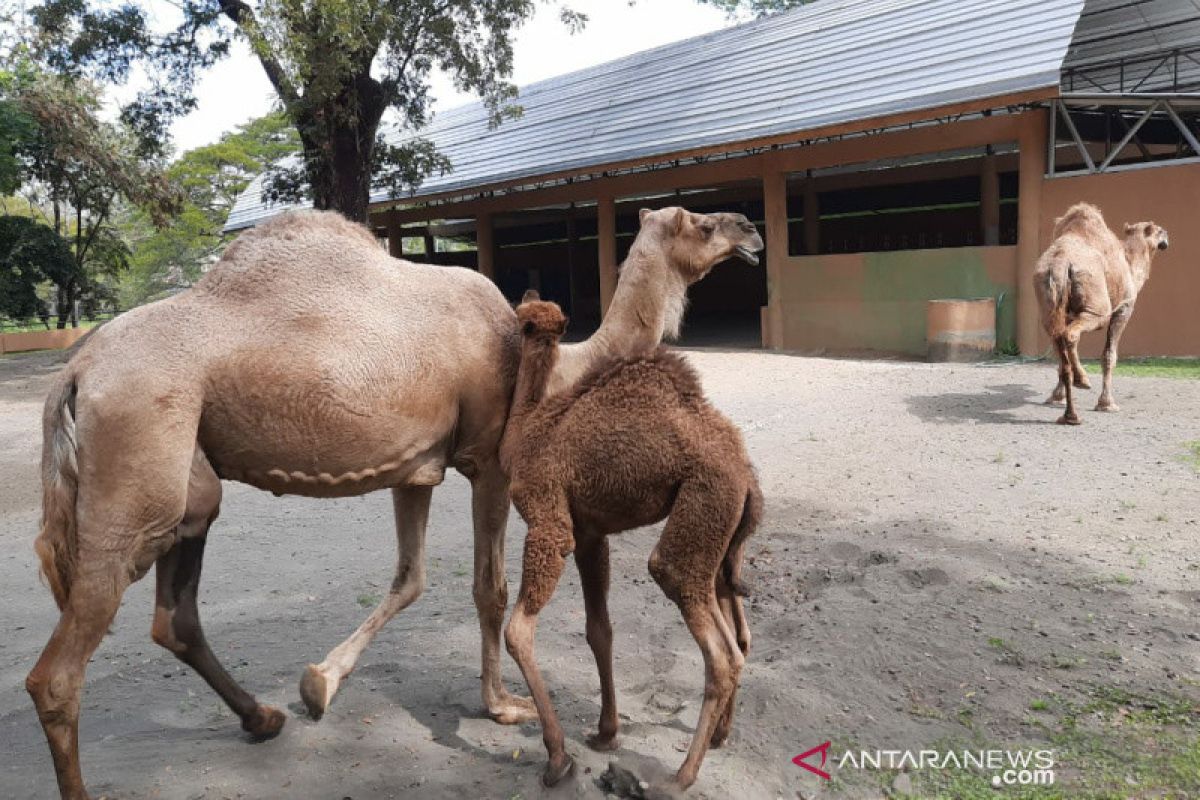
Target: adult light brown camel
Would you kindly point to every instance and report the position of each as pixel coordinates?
(633, 443)
(1086, 279)
(307, 361)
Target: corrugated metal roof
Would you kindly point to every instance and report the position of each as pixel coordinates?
(1138, 33)
(830, 62)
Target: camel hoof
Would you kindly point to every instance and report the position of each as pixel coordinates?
(264, 723)
(1107, 407)
(1069, 419)
(1056, 401)
(603, 744)
(553, 774)
(1084, 384)
(718, 738)
(513, 710)
(316, 691)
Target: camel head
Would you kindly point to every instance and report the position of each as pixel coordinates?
(695, 243)
(1147, 236)
(540, 319)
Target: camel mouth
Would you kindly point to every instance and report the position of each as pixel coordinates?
(746, 254)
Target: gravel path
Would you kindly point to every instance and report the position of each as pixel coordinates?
(936, 556)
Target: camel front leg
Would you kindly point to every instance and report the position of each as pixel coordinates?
(593, 564)
(1069, 417)
(489, 509)
(1116, 327)
(545, 551)
(320, 682)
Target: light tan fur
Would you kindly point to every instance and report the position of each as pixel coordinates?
(1088, 279)
(307, 361)
(633, 443)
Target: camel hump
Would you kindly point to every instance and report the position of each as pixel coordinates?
(1082, 218)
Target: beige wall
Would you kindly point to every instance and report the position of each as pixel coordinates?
(1166, 320)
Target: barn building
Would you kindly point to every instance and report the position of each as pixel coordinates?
(892, 152)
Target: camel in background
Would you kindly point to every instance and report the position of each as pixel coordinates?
(308, 362)
(1086, 279)
(633, 443)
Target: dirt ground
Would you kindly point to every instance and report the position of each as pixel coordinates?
(940, 566)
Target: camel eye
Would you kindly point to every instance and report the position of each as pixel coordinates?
(707, 228)
(1149, 230)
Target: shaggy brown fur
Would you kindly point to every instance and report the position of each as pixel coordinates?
(1086, 279)
(633, 443)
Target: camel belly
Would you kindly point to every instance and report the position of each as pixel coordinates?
(328, 438)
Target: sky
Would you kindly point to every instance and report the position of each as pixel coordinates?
(236, 91)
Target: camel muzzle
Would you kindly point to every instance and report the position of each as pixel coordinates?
(746, 254)
(1163, 244)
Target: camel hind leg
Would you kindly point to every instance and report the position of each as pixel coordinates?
(1061, 344)
(176, 614)
(56, 682)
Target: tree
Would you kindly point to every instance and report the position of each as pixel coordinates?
(757, 8)
(336, 65)
(210, 178)
(76, 170)
(31, 254)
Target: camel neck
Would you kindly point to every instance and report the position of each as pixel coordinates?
(538, 357)
(647, 305)
(1139, 259)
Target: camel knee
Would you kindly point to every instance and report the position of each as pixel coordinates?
(491, 597)
(665, 576)
(599, 633)
(407, 586)
(518, 637)
(56, 697)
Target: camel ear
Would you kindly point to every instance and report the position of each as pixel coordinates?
(528, 327)
(645, 212)
(530, 296)
(1130, 228)
(677, 223)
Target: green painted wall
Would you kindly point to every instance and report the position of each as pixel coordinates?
(877, 301)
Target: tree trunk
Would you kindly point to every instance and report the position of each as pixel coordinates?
(340, 156)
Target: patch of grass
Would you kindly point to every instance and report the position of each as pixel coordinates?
(1122, 579)
(1180, 368)
(368, 600)
(1008, 654)
(1109, 743)
(1192, 454)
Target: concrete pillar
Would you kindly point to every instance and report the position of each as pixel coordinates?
(395, 237)
(812, 219)
(485, 246)
(989, 200)
(1034, 130)
(429, 246)
(775, 212)
(606, 244)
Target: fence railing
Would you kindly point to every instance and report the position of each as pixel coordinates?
(51, 322)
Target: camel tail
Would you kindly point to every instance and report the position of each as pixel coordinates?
(731, 567)
(1056, 293)
(56, 545)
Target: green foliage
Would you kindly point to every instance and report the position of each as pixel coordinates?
(336, 66)
(31, 254)
(757, 8)
(210, 178)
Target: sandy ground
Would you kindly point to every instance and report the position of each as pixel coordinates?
(936, 556)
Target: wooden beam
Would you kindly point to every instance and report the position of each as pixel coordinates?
(812, 219)
(774, 189)
(395, 237)
(1034, 130)
(989, 201)
(485, 246)
(606, 243)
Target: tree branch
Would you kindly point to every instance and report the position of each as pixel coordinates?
(243, 16)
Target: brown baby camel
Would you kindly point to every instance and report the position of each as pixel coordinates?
(1086, 279)
(634, 442)
(307, 361)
